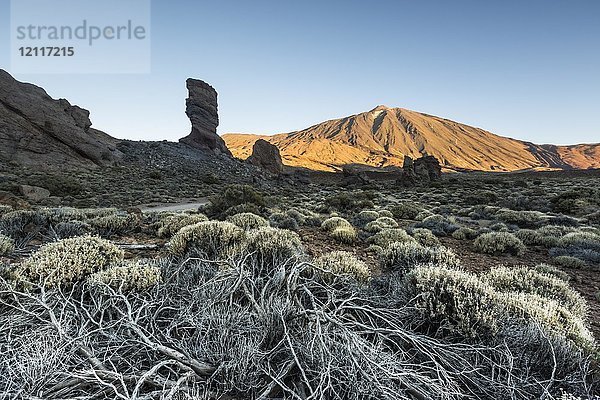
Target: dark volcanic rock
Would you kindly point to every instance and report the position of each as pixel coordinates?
(408, 167)
(201, 109)
(37, 130)
(426, 168)
(266, 156)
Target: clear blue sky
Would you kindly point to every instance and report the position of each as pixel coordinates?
(524, 69)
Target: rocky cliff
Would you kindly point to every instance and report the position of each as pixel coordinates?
(36, 130)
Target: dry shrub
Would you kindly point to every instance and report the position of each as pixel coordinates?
(345, 234)
(173, 223)
(130, 276)
(380, 224)
(330, 224)
(68, 261)
(248, 221)
(425, 237)
(499, 243)
(270, 247)
(385, 237)
(526, 280)
(449, 299)
(406, 255)
(464, 233)
(211, 239)
(7, 245)
(342, 263)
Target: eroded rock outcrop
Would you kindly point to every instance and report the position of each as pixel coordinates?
(426, 168)
(36, 130)
(34, 193)
(266, 156)
(202, 110)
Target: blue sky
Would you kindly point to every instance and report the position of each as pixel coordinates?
(524, 69)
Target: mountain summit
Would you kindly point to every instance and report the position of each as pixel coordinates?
(383, 136)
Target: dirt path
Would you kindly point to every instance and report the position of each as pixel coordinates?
(187, 204)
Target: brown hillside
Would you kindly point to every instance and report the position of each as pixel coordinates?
(383, 136)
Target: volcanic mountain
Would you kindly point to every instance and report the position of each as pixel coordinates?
(383, 136)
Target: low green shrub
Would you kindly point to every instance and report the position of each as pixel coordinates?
(499, 243)
(385, 237)
(5, 209)
(406, 210)
(270, 247)
(64, 230)
(240, 208)
(13, 223)
(386, 213)
(127, 277)
(364, 217)
(342, 263)
(345, 234)
(582, 240)
(448, 301)
(113, 224)
(7, 245)
(556, 320)
(569, 262)
(438, 224)
(527, 280)
(464, 233)
(523, 219)
(346, 201)
(68, 261)
(582, 245)
(283, 221)
(235, 195)
(380, 224)
(248, 221)
(406, 255)
(425, 237)
(553, 271)
(333, 223)
(172, 224)
(530, 237)
(212, 239)
(453, 301)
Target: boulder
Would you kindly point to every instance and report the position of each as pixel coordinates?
(38, 131)
(202, 110)
(266, 156)
(34, 193)
(9, 199)
(428, 167)
(423, 169)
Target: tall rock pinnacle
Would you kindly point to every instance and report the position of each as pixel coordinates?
(201, 109)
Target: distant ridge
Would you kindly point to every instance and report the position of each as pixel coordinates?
(383, 136)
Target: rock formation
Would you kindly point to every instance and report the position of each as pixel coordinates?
(408, 168)
(39, 131)
(426, 168)
(266, 156)
(201, 109)
(34, 193)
